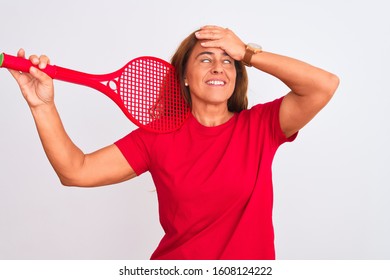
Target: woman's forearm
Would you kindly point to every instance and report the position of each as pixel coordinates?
(65, 157)
(302, 78)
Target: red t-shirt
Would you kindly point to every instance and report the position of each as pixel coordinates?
(214, 184)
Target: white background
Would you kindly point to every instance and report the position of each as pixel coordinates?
(331, 185)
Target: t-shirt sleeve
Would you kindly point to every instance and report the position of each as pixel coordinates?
(134, 148)
(269, 112)
(278, 129)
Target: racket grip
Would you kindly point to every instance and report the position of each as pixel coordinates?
(23, 65)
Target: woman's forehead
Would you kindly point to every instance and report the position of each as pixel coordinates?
(199, 50)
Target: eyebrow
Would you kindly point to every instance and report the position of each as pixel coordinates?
(210, 53)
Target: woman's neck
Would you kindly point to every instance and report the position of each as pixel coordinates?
(211, 115)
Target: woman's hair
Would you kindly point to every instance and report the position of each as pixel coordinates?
(237, 102)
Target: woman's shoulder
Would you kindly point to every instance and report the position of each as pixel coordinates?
(267, 105)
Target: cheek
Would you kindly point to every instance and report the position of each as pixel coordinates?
(195, 80)
(194, 75)
(233, 80)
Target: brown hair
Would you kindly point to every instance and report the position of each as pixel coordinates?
(237, 102)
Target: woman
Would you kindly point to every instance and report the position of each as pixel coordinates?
(213, 175)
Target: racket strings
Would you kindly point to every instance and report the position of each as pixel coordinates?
(151, 94)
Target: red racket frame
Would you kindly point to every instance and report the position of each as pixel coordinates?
(158, 97)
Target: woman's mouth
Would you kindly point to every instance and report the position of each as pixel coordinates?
(216, 82)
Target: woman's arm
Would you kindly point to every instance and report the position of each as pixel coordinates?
(73, 167)
(311, 87)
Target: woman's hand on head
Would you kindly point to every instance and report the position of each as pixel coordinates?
(212, 36)
(36, 87)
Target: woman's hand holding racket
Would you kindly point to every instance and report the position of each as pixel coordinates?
(36, 87)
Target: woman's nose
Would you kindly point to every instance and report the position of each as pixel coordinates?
(217, 68)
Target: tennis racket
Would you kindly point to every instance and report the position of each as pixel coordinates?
(146, 89)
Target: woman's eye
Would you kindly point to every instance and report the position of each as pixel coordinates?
(225, 61)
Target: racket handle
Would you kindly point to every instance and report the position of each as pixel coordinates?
(23, 65)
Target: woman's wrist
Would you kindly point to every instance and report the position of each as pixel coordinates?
(43, 109)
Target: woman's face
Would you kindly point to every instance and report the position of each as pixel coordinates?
(210, 75)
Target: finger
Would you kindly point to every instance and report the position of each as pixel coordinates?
(211, 27)
(208, 35)
(34, 59)
(39, 75)
(43, 61)
(21, 53)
